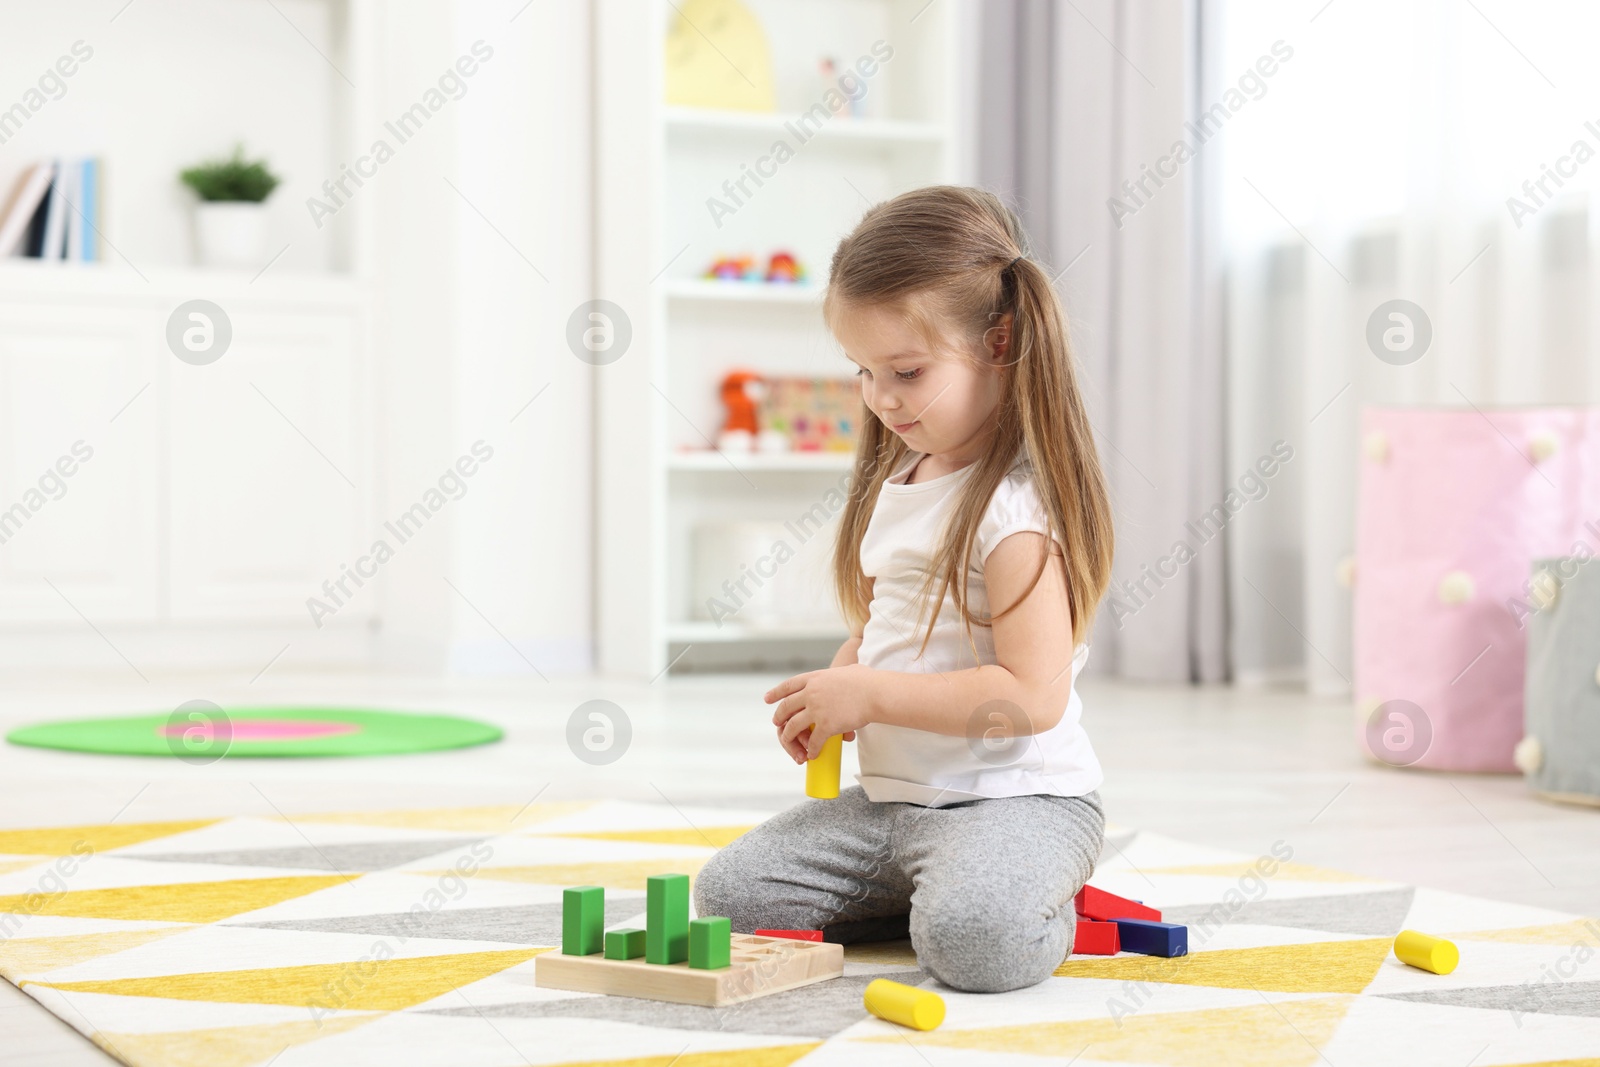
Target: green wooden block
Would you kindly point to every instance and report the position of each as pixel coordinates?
(666, 918)
(583, 919)
(710, 941)
(626, 944)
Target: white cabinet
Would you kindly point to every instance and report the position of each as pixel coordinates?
(264, 461)
(80, 485)
(225, 492)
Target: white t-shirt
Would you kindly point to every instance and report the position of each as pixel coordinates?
(903, 764)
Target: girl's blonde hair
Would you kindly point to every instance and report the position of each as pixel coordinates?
(943, 257)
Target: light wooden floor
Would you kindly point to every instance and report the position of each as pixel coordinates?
(1231, 768)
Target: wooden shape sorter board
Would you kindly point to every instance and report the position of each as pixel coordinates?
(759, 966)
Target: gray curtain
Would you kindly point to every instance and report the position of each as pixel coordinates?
(1075, 99)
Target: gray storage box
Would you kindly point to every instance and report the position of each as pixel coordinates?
(1560, 752)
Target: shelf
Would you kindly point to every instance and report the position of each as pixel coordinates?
(702, 633)
(736, 462)
(804, 295)
(114, 280)
(839, 129)
(671, 188)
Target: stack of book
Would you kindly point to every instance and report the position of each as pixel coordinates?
(53, 212)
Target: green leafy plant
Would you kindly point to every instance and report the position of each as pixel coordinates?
(234, 178)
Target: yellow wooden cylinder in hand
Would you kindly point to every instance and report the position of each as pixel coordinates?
(1429, 953)
(822, 773)
(907, 1005)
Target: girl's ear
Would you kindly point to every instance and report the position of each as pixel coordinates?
(997, 339)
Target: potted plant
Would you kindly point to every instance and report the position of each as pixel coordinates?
(230, 220)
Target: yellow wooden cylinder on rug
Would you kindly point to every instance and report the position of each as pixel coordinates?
(822, 773)
(907, 1005)
(1429, 953)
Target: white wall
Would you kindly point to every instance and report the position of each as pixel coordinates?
(415, 274)
(469, 332)
(523, 554)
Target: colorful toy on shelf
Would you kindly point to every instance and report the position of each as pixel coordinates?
(841, 95)
(700, 962)
(733, 269)
(741, 391)
(1427, 953)
(783, 268)
(920, 1009)
(717, 57)
(813, 414)
(788, 414)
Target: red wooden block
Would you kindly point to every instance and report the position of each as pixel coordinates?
(796, 935)
(1101, 906)
(1096, 939)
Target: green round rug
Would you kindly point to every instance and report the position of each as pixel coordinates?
(201, 732)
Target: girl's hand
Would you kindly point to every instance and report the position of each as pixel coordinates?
(815, 706)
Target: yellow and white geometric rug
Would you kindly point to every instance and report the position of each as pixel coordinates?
(407, 938)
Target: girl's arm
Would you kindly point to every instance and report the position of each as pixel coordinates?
(1032, 669)
(847, 652)
(846, 656)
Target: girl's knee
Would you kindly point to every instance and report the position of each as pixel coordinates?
(988, 952)
(742, 889)
(719, 886)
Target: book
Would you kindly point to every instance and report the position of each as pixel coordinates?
(89, 205)
(72, 208)
(31, 188)
(34, 244)
(55, 219)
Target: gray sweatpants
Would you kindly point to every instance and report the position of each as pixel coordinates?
(984, 887)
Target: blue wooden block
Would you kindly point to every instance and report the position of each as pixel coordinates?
(1153, 938)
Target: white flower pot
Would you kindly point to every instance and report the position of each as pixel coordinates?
(230, 233)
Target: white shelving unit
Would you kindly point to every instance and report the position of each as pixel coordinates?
(188, 536)
(660, 168)
(743, 292)
(710, 632)
(863, 131)
(719, 462)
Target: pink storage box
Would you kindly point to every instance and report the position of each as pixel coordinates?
(1454, 505)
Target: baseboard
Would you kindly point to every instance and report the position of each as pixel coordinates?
(1287, 677)
(250, 649)
(549, 656)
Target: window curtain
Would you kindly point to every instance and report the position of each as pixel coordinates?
(1436, 153)
(1231, 317)
(1079, 108)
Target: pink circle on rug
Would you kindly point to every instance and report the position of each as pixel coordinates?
(268, 729)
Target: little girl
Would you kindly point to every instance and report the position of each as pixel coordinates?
(976, 819)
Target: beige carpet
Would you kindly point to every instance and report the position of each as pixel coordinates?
(409, 937)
